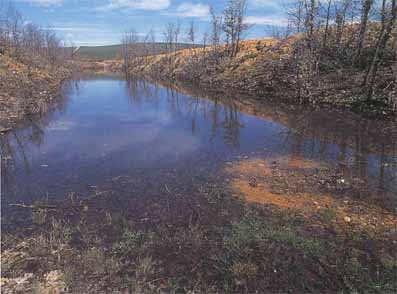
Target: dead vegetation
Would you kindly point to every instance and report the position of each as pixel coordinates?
(323, 59)
(26, 91)
(294, 234)
(33, 64)
(265, 68)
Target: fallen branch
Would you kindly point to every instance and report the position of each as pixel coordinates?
(4, 130)
(168, 190)
(34, 206)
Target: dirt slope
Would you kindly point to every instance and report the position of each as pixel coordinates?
(26, 90)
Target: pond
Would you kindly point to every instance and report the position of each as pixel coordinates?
(138, 138)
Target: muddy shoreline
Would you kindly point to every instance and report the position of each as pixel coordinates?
(178, 240)
(255, 222)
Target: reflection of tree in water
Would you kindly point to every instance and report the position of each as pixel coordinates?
(29, 132)
(224, 117)
(320, 135)
(139, 90)
(231, 125)
(362, 149)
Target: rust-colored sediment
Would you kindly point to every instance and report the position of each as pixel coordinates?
(261, 194)
(249, 169)
(253, 166)
(299, 162)
(259, 166)
(251, 179)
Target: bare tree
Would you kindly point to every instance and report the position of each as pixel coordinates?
(233, 24)
(52, 43)
(129, 49)
(177, 31)
(205, 40)
(366, 8)
(73, 49)
(27, 42)
(216, 32)
(327, 22)
(152, 41)
(311, 8)
(341, 9)
(145, 46)
(169, 36)
(191, 37)
(14, 23)
(191, 33)
(388, 23)
(3, 32)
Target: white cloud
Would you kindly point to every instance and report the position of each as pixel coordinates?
(27, 22)
(273, 3)
(44, 2)
(192, 10)
(264, 20)
(83, 29)
(136, 4)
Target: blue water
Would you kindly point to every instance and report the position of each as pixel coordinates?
(108, 128)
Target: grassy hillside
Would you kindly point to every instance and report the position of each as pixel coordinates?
(98, 53)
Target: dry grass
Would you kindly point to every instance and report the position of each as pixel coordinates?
(282, 70)
(26, 90)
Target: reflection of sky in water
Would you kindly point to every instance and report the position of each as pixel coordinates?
(106, 131)
(110, 128)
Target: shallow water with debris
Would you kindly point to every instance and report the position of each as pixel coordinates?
(135, 138)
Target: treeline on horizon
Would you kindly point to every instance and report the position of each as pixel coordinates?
(111, 52)
(345, 37)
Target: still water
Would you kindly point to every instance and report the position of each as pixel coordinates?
(110, 134)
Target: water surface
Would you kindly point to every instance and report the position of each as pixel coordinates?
(107, 129)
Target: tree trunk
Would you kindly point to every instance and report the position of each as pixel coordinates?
(367, 5)
(327, 24)
(380, 48)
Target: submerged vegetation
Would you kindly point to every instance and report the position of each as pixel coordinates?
(203, 240)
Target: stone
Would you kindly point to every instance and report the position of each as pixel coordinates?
(347, 219)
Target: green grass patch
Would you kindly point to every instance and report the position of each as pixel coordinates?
(210, 243)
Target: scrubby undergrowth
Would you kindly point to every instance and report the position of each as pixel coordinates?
(27, 89)
(281, 69)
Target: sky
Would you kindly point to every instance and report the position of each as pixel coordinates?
(102, 22)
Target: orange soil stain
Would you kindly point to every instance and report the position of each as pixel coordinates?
(368, 218)
(298, 162)
(258, 166)
(261, 194)
(250, 167)
(304, 203)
